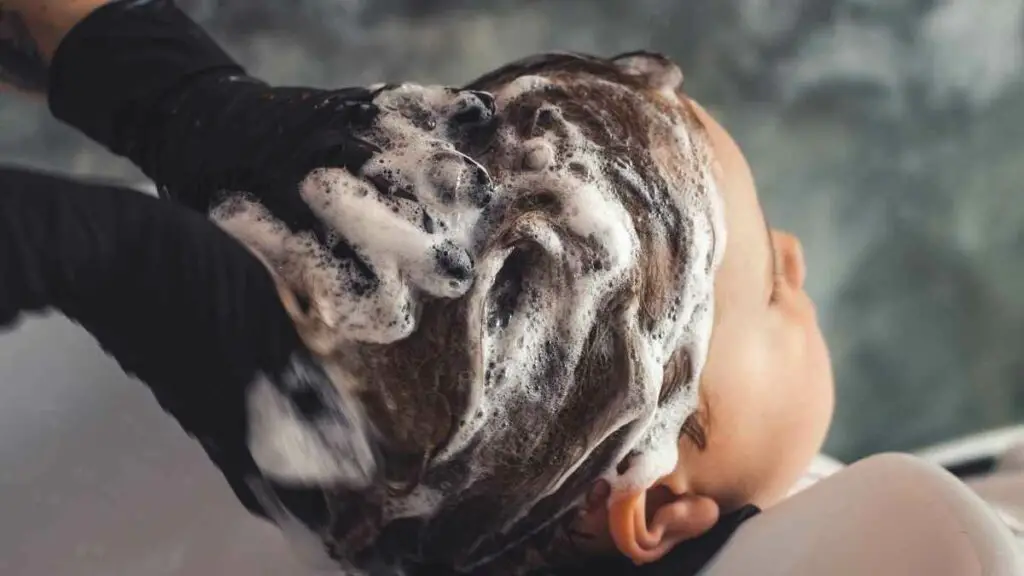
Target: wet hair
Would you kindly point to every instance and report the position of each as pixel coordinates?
(576, 354)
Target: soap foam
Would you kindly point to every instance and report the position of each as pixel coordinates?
(338, 304)
(414, 236)
(542, 277)
(563, 292)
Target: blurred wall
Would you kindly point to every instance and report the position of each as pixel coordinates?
(888, 134)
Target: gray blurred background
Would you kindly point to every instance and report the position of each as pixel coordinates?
(888, 134)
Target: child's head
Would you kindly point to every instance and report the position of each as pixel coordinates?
(766, 386)
(618, 368)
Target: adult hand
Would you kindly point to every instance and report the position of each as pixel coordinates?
(183, 306)
(378, 178)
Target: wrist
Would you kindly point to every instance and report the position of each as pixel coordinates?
(118, 62)
(48, 21)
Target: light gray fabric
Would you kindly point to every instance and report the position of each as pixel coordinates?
(887, 515)
(1013, 460)
(1004, 491)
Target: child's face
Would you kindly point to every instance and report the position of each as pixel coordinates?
(767, 384)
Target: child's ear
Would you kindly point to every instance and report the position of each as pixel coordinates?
(646, 525)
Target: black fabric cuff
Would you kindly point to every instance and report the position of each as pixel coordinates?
(123, 57)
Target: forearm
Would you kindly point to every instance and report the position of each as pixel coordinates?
(30, 31)
(111, 69)
(150, 84)
(142, 79)
(181, 305)
(141, 276)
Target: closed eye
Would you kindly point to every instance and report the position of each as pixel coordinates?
(775, 270)
(777, 283)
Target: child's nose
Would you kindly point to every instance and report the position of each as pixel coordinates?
(791, 255)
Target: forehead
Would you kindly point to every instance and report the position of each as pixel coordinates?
(747, 253)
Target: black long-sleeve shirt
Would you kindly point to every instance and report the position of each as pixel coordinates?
(173, 298)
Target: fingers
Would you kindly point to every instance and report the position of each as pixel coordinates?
(465, 119)
(335, 299)
(333, 148)
(425, 193)
(472, 121)
(432, 173)
(401, 239)
(391, 205)
(436, 107)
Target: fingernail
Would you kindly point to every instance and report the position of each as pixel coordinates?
(486, 99)
(474, 110)
(483, 189)
(428, 223)
(453, 261)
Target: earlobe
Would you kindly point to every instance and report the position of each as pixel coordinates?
(645, 537)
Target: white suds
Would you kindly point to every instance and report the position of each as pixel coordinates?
(562, 287)
(539, 282)
(412, 235)
(292, 449)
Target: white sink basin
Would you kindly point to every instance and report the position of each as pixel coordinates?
(96, 481)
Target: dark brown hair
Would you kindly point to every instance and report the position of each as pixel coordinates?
(419, 387)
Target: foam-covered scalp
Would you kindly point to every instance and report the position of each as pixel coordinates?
(576, 352)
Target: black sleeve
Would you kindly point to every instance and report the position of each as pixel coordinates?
(148, 83)
(171, 296)
(124, 55)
